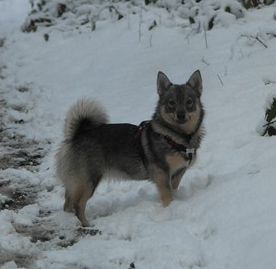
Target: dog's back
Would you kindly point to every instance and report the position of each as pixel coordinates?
(111, 148)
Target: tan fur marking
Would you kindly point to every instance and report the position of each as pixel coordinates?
(168, 117)
(193, 119)
(161, 180)
(187, 127)
(80, 197)
(82, 205)
(175, 162)
(176, 180)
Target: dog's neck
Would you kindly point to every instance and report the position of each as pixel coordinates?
(176, 133)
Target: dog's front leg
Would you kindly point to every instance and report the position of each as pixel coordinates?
(176, 178)
(162, 181)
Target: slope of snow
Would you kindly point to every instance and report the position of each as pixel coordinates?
(224, 214)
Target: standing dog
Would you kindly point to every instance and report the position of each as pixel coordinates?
(159, 150)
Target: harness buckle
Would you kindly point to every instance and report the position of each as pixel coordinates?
(190, 153)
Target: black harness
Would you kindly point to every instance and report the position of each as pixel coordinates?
(142, 126)
(187, 153)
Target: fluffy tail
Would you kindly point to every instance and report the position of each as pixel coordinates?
(82, 113)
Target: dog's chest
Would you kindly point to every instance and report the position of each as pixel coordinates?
(176, 161)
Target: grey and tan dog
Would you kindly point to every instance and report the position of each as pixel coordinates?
(159, 150)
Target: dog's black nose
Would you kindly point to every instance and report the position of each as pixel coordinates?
(181, 116)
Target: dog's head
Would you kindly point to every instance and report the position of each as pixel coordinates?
(179, 105)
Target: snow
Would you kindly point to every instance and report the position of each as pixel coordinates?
(13, 13)
(223, 215)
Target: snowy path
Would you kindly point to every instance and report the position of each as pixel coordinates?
(223, 216)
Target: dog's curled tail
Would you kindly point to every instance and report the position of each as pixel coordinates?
(83, 114)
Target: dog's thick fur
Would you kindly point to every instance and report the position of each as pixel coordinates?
(94, 149)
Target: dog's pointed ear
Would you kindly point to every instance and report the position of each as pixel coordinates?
(163, 83)
(195, 81)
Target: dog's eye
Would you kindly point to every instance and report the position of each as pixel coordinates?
(171, 103)
(190, 102)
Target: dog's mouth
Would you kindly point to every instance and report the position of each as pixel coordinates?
(181, 121)
(173, 119)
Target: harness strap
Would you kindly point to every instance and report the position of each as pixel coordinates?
(186, 152)
(142, 126)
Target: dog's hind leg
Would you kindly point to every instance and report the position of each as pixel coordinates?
(82, 194)
(81, 205)
(68, 205)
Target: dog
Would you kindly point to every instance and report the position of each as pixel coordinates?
(159, 150)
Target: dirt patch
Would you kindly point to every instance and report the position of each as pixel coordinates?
(36, 232)
(21, 260)
(16, 197)
(23, 89)
(2, 68)
(46, 235)
(88, 231)
(2, 42)
(19, 151)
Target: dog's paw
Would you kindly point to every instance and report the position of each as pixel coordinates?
(166, 200)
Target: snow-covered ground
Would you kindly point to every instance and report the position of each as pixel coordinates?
(224, 214)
